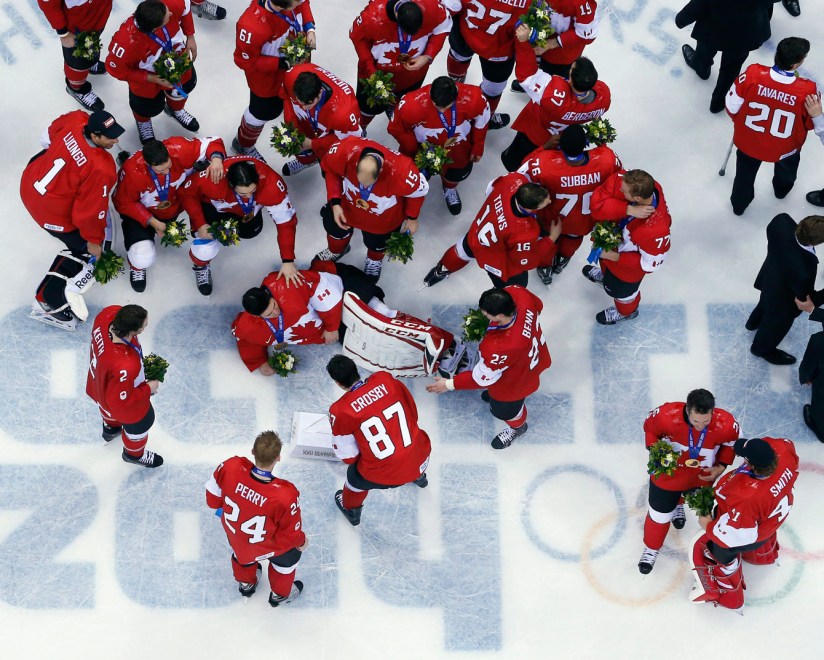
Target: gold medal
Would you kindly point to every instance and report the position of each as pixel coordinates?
(692, 463)
(362, 204)
(404, 57)
(164, 204)
(451, 141)
(281, 346)
(247, 218)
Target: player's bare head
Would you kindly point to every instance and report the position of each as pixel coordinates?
(573, 141)
(758, 453)
(532, 197)
(638, 185)
(155, 153)
(583, 75)
(408, 15)
(150, 15)
(496, 302)
(369, 166)
(790, 52)
(343, 371)
(443, 92)
(258, 301)
(307, 87)
(266, 449)
(243, 177)
(810, 231)
(129, 319)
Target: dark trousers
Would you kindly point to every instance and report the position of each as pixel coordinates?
(746, 167)
(514, 154)
(731, 63)
(726, 555)
(773, 319)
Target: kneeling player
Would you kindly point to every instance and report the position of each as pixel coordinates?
(261, 516)
(751, 504)
(376, 431)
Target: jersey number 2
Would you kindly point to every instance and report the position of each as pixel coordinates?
(374, 430)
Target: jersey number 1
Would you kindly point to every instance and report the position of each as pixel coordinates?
(374, 430)
(41, 185)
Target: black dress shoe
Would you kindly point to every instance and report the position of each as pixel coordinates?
(716, 106)
(792, 7)
(781, 194)
(689, 57)
(752, 322)
(775, 356)
(815, 198)
(809, 422)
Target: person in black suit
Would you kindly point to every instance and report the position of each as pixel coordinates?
(811, 370)
(734, 27)
(788, 273)
(793, 7)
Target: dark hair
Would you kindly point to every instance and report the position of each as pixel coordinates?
(790, 52)
(531, 196)
(409, 17)
(256, 300)
(573, 140)
(242, 173)
(343, 370)
(307, 86)
(767, 470)
(443, 92)
(583, 76)
(640, 183)
(155, 153)
(810, 231)
(267, 447)
(149, 15)
(497, 301)
(700, 401)
(128, 319)
(283, 4)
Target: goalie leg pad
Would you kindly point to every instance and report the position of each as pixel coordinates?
(142, 254)
(61, 287)
(767, 553)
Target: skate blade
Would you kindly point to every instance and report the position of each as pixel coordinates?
(50, 320)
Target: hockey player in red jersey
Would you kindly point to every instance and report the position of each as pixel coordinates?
(450, 115)
(69, 18)
(117, 384)
(486, 29)
(248, 187)
(505, 238)
(570, 174)
(375, 425)
(261, 30)
(752, 502)
(576, 24)
(322, 107)
(401, 37)
(372, 188)
(554, 104)
(146, 195)
(155, 28)
(636, 202)
(770, 121)
(65, 188)
(262, 520)
(513, 354)
(702, 436)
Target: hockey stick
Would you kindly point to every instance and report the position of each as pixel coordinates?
(723, 169)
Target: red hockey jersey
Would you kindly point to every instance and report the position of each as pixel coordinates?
(512, 357)
(76, 15)
(646, 241)
(307, 311)
(67, 188)
(768, 114)
(137, 196)
(576, 24)
(398, 193)
(375, 424)
(462, 127)
(270, 194)
(262, 519)
(669, 422)
(116, 381)
(258, 36)
(336, 115)
(377, 41)
(571, 186)
(504, 242)
(488, 26)
(752, 509)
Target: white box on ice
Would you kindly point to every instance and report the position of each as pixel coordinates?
(312, 437)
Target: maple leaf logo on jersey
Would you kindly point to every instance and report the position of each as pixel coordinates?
(304, 331)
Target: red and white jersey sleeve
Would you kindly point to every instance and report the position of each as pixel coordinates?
(512, 357)
(115, 380)
(668, 422)
(488, 26)
(767, 109)
(576, 24)
(381, 418)
(752, 509)
(68, 187)
(76, 15)
(261, 519)
(310, 308)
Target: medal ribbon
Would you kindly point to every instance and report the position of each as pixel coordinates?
(595, 253)
(451, 125)
(166, 44)
(263, 474)
(276, 331)
(137, 349)
(248, 208)
(293, 22)
(162, 191)
(492, 326)
(695, 450)
(365, 191)
(314, 113)
(782, 72)
(404, 40)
